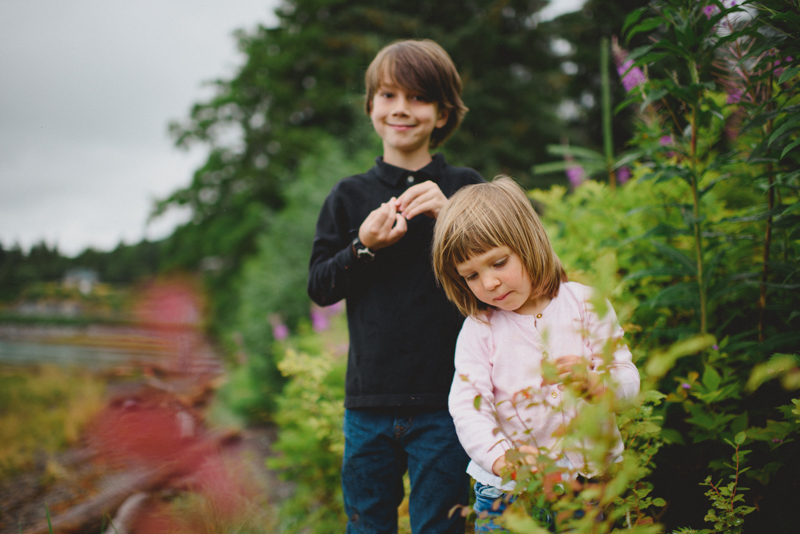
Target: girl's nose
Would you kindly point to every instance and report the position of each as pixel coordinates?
(490, 282)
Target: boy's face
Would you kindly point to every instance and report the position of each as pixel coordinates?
(404, 120)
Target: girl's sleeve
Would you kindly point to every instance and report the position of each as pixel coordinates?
(472, 399)
(606, 337)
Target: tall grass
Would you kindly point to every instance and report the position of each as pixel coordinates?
(43, 409)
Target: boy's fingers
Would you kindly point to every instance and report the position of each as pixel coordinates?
(399, 229)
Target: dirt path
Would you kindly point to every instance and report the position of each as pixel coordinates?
(150, 441)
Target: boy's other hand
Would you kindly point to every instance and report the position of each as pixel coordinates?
(383, 226)
(425, 198)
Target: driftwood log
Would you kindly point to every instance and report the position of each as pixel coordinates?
(105, 504)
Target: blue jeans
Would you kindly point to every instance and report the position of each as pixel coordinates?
(486, 496)
(379, 448)
(487, 512)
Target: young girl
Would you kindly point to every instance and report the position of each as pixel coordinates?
(496, 264)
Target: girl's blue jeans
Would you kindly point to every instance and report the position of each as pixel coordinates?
(379, 448)
(485, 498)
(488, 512)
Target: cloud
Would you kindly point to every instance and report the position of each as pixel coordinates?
(88, 89)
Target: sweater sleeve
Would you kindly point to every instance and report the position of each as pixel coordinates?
(471, 401)
(332, 262)
(606, 337)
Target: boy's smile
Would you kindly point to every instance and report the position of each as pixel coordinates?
(405, 121)
(498, 278)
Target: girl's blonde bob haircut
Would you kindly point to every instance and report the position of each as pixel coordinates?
(481, 217)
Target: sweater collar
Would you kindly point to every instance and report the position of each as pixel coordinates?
(397, 176)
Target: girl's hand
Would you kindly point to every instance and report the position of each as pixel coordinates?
(382, 227)
(575, 370)
(529, 458)
(425, 198)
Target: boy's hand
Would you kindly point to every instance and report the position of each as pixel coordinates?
(424, 198)
(576, 370)
(383, 226)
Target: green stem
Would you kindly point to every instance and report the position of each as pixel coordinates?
(698, 234)
(608, 139)
(762, 299)
(698, 243)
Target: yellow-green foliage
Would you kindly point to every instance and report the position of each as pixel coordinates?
(43, 409)
(310, 412)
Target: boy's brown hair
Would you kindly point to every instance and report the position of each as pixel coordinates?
(480, 217)
(424, 68)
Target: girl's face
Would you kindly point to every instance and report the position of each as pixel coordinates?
(498, 278)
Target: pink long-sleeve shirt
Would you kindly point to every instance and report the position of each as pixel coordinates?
(503, 358)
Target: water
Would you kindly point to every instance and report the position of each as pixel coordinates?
(96, 358)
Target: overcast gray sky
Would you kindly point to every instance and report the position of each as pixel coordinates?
(87, 88)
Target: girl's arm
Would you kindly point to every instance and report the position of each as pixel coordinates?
(471, 401)
(605, 336)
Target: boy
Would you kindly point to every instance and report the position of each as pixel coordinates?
(372, 247)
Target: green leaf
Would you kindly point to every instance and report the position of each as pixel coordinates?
(646, 26)
(740, 437)
(654, 96)
(677, 256)
(783, 128)
(789, 148)
(788, 74)
(579, 152)
(477, 402)
(661, 362)
(711, 378)
(633, 17)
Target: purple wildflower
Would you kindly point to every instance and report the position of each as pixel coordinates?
(686, 386)
(623, 175)
(319, 321)
(665, 140)
(735, 95)
(715, 346)
(710, 11)
(789, 59)
(631, 77)
(634, 76)
(279, 330)
(776, 440)
(576, 175)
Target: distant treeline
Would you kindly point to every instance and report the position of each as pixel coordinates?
(42, 263)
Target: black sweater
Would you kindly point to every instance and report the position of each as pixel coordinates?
(403, 329)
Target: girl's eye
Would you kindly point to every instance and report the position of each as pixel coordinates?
(470, 277)
(500, 263)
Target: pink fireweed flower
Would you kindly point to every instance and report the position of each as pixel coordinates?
(279, 330)
(319, 321)
(665, 140)
(576, 175)
(735, 96)
(631, 77)
(710, 11)
(623, 175)
(321, 316)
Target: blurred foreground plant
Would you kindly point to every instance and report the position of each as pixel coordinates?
(43, 409)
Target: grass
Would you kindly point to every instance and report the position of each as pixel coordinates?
(43, 409)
